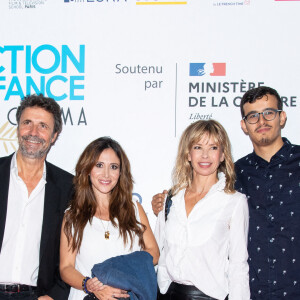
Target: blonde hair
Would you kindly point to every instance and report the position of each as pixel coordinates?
(183, 173)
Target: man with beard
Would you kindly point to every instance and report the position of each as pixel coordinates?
(270, 177)
(33, 197)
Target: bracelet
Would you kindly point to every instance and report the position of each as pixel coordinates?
(83, 284)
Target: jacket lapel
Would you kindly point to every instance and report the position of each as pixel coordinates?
(51, 209)
(4, 186)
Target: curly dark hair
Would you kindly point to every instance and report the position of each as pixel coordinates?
(48, 104)
(257, 93)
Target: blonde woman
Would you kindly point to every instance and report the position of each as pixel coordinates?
(203, 237)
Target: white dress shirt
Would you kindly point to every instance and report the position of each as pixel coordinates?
(20, 253)
(207, 249)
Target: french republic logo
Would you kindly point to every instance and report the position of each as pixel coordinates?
(207, 69)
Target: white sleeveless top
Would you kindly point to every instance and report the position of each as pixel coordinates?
(96, 249)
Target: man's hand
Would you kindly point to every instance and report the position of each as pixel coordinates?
(45, 298)
(158, 201)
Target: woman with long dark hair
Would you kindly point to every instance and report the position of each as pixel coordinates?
(102, 221)
(203, 233)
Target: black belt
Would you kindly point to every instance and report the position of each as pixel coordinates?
(16, 288)
(181, 291)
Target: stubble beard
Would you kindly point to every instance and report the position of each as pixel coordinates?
(264, 141)
(38, 154)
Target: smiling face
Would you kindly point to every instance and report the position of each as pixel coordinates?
(264, 133)
(35, 132)
(205, 157)
(106, 172)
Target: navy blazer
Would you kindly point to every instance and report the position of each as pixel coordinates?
(58, 192)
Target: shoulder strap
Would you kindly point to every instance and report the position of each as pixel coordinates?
(168, 204)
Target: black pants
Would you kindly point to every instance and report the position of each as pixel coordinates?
(30, 295)
(178, 291)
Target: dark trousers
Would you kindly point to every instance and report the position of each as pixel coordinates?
(178, 291)
(30, 295)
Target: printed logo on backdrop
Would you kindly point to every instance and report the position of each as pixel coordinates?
(210, 87)
(205, 69)
(137, 197)
(95, 1)
(231, 3)
(8, 137)
(160, 2)
(55, 71)
(25, 4)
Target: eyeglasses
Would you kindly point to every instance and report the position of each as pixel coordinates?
(268, 114)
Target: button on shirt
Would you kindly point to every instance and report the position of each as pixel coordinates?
(19, 257)
(273, 192)
(207, 249)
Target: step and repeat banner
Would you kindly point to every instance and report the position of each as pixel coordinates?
(141, 71)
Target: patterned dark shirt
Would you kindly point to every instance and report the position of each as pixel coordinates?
(273, 192)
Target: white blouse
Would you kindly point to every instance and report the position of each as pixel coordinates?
(95, 248)
(207, 249)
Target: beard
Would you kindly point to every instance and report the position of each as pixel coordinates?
(32, 153)
(264, 141)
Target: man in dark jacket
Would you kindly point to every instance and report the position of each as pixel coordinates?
(33, 197)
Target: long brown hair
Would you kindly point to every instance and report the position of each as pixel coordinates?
(83, 205)
(183, 172)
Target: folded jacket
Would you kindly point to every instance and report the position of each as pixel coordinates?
(133, 272)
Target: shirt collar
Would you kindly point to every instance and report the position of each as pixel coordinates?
(281, 155)
(218, 186)
(14, 167)
(179, 203)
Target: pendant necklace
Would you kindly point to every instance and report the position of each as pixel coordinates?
(106, 231)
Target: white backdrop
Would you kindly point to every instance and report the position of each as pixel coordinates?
(126, 69)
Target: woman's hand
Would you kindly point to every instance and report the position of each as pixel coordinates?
(110, 293)
(94, 285)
